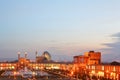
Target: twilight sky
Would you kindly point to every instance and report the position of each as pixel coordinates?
(64, 28)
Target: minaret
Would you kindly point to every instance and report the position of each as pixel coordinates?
(18, 55)
(36, 53)
(26, 55)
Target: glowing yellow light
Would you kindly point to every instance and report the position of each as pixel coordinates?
(71, 73)
(21, 62)
(93, 72)
(1, 68)
(12, 67)
(56, 67)
(101, 73)
(36, 67)
(41, 67)
(33, 73)
(112, 74)
(107, 71)
(14, 73)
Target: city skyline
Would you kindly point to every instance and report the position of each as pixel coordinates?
(63, 28)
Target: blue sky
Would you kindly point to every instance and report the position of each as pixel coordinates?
(62, 27)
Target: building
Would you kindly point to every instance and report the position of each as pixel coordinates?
(107, 71)
(89, 58)
(93, 57)
(90, 64)
(8, 66)
(45, 63)
(45, 57)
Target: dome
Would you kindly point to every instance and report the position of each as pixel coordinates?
(47, 55)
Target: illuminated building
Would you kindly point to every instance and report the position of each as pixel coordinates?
(93, 57)
(81, 61)
(8, 66)
(107, 71)
(90, 63)
(24, 62)
(88, 58)
(51, 65)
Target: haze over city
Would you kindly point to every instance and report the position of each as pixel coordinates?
(64, 28)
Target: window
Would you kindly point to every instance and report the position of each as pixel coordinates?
(102, 67)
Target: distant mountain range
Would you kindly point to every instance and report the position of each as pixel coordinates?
(7, 59)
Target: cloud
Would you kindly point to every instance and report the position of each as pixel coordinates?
(116, 35)
(113, 49)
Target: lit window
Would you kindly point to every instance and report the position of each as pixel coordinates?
(93, 67)
(114, 68)
(102, 67)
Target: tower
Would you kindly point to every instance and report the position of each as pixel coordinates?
(36, 53)
(18, 55)
(25, 54)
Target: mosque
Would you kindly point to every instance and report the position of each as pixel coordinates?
(45, 57)
(89, 63)
(41, 62)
